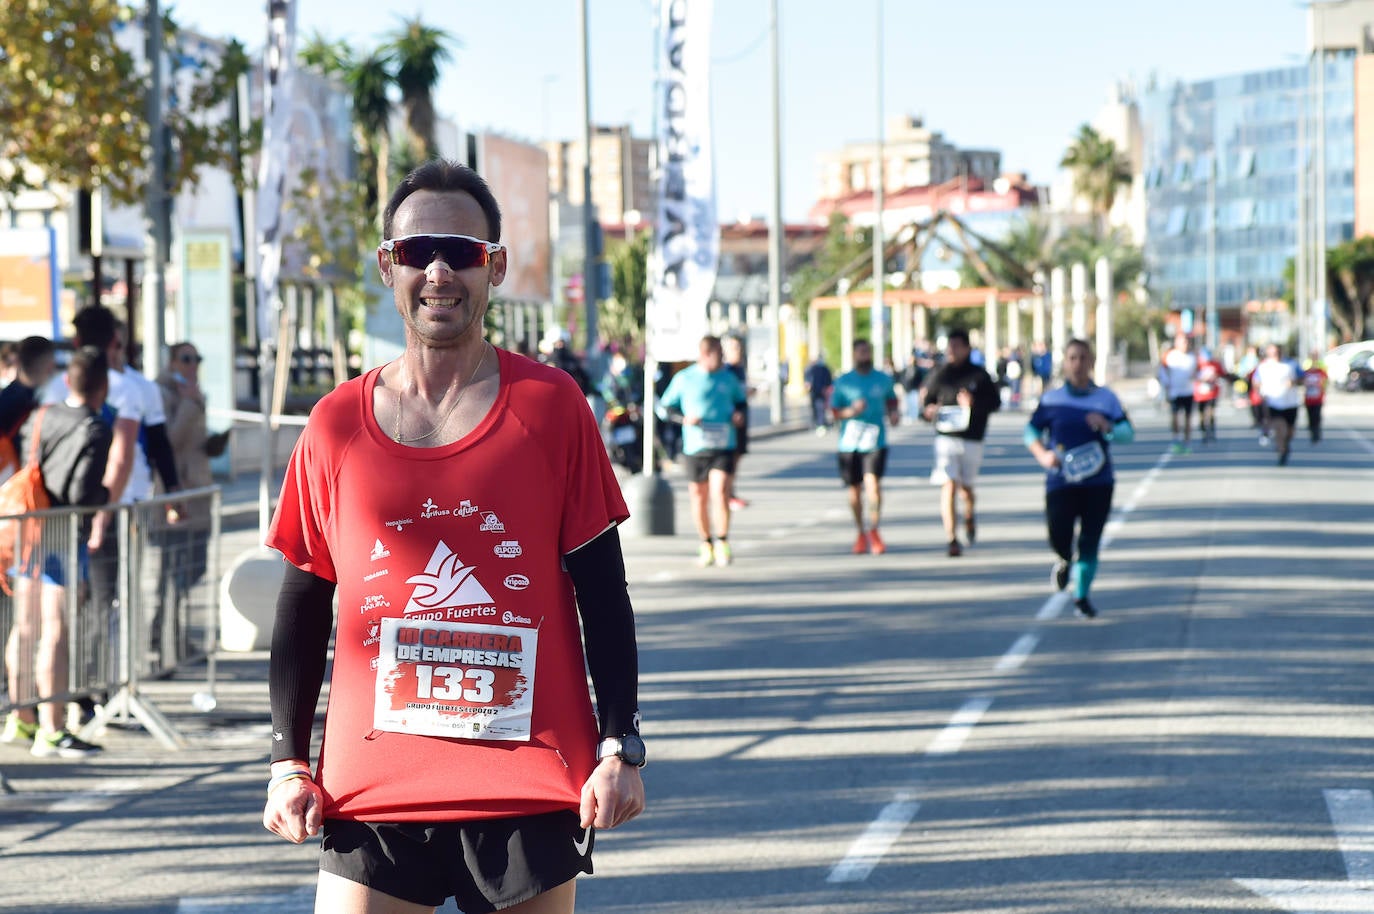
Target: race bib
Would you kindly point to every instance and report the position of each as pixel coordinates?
(715, 436)
(459, 680)
(951, 420)
(860, 436)
(1082, 462)
(625, 434)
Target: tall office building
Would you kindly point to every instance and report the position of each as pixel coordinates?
(1247, 148)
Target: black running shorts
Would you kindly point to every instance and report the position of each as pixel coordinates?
(855, 465)
(485, 865)
(1182, 404)
(700, 465)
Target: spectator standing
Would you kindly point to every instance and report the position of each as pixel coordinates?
(35, 364)
(818, 379)
(184, 537)
(72, 443)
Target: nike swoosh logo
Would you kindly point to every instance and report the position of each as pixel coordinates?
(582, 845)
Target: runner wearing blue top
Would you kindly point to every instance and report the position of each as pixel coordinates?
(710, 402)
(1071, 434)
(863, 400)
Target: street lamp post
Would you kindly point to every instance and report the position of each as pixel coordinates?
(775, 226)
(589, 279)
(877, 311)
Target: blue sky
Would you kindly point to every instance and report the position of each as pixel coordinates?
(1008, 74)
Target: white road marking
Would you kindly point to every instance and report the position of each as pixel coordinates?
(870, 847)
(1016, 654)
(98, 797)
(1352, 813)
(1359, 439)
(662, 577)
(1053, 607)
(951, 739)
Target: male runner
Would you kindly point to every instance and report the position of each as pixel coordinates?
(959, 397)
(461, 501)
(1070, 434)
(1206, 392)
(1177, 370)
(710, 403)
(861, 400)
(1277, 383)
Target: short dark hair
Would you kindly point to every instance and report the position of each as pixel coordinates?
(445, 176)
(860, 341)
(95, 325)
(958, 333)
(1079, 341)
(88, 372)
(710, 342)
(32, 350)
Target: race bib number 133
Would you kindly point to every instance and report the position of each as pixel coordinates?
(462, 681)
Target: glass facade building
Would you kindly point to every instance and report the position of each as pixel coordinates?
(1246, 132)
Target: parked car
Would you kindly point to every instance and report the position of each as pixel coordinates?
(1360, 373)
(1338, 360)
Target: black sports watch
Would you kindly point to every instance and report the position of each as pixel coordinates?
(628, 748)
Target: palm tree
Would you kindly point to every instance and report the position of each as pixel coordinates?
(368, 80)
(1099, 169)
(418, 50)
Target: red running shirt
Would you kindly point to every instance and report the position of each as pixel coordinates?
(1207, 382)
(458, 689)
(1314, 386)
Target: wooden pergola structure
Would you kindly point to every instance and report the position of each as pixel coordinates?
(912, 304)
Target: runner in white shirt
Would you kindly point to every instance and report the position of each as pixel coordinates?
(1279, 389)
(1177, 371)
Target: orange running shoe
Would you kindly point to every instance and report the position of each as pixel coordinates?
(875, 543)
(861, 544)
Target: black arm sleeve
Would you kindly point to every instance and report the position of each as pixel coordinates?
(608, 626)
(295, 673)
(159, 449)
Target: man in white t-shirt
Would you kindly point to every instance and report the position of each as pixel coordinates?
(1279, 387)
(1177, 371)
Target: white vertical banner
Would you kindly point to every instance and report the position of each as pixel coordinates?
(278, 69)
(686, 249)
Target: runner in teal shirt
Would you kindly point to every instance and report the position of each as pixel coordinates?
(864, 401)
(709, 401)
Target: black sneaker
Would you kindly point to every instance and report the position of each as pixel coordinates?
(1084, 608)
(62, 744)
(955, 549)
(1059, 575)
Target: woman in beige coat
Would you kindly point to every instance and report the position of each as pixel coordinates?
(184, 543)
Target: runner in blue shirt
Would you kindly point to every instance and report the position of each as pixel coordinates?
(710, 402)
(864, 400)
(1071, 434)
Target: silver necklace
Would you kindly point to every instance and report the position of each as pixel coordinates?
(444, 421)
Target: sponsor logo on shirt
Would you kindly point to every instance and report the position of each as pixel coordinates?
(430, 509)
(491, 523)
(508, 617)
(401, 523)
(379, 551)
(375, 601)
(374, 634)
(516, 582)
(466, 508)
(446, 583)
(375, 574)
(508, 549)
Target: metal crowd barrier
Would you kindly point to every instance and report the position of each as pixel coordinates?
(145, 605)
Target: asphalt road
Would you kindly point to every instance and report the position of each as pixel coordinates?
(897, 733)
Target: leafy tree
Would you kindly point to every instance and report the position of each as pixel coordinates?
(71, 100)
(1029, 244)
(841, 248)
(417, 51)
(1350, 286)
(1099, 169)
(621, 317)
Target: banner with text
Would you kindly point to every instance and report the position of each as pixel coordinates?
(686, 249)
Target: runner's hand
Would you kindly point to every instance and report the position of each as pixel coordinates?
(295, 810)
(1047, 459)
(1098, 422)
(964, 399)
(613, 795)
(691, 420)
